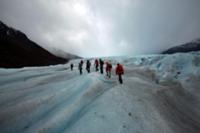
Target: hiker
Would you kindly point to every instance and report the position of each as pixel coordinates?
(82, 62)
(96, 65)
(72, 65)
(101, 65)
(88, 64)
(108, 69)
(120, 72)
(80, 66)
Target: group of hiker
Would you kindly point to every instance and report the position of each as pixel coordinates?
(99, 65)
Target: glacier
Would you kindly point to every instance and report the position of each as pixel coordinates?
(160, 94)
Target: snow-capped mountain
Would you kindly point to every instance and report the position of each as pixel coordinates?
(17, 50)
(188, 47)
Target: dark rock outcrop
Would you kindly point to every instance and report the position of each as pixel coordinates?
(188, 47)
(16, 50)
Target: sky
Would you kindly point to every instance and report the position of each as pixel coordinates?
(91, 28)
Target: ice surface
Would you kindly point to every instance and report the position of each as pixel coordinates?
(160, 94)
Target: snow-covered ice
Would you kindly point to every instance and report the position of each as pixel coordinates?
(160, 94)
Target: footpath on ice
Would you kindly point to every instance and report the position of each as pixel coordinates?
(160, 94)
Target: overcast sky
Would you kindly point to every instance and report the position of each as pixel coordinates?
(105, 27)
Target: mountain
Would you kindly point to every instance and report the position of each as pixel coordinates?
(63, 54)
(188, 47)
(17, 50)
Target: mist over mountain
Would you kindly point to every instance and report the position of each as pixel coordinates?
(187, 47)
(17, 50)
(61, 53)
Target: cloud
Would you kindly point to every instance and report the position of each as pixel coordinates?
(105, 27)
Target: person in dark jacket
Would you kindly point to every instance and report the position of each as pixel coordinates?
(108, 69)
(101, 62)
(120, 71)
(80, 66)
(88, 64)
(72, 65)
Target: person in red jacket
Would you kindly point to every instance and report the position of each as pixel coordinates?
(120, 71)
(96, 65)
(108, 69)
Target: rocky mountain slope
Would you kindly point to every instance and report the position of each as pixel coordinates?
(17, 50)
(188, 47)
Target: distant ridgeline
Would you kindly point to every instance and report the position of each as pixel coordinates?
(188, 47)
(16, 50)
